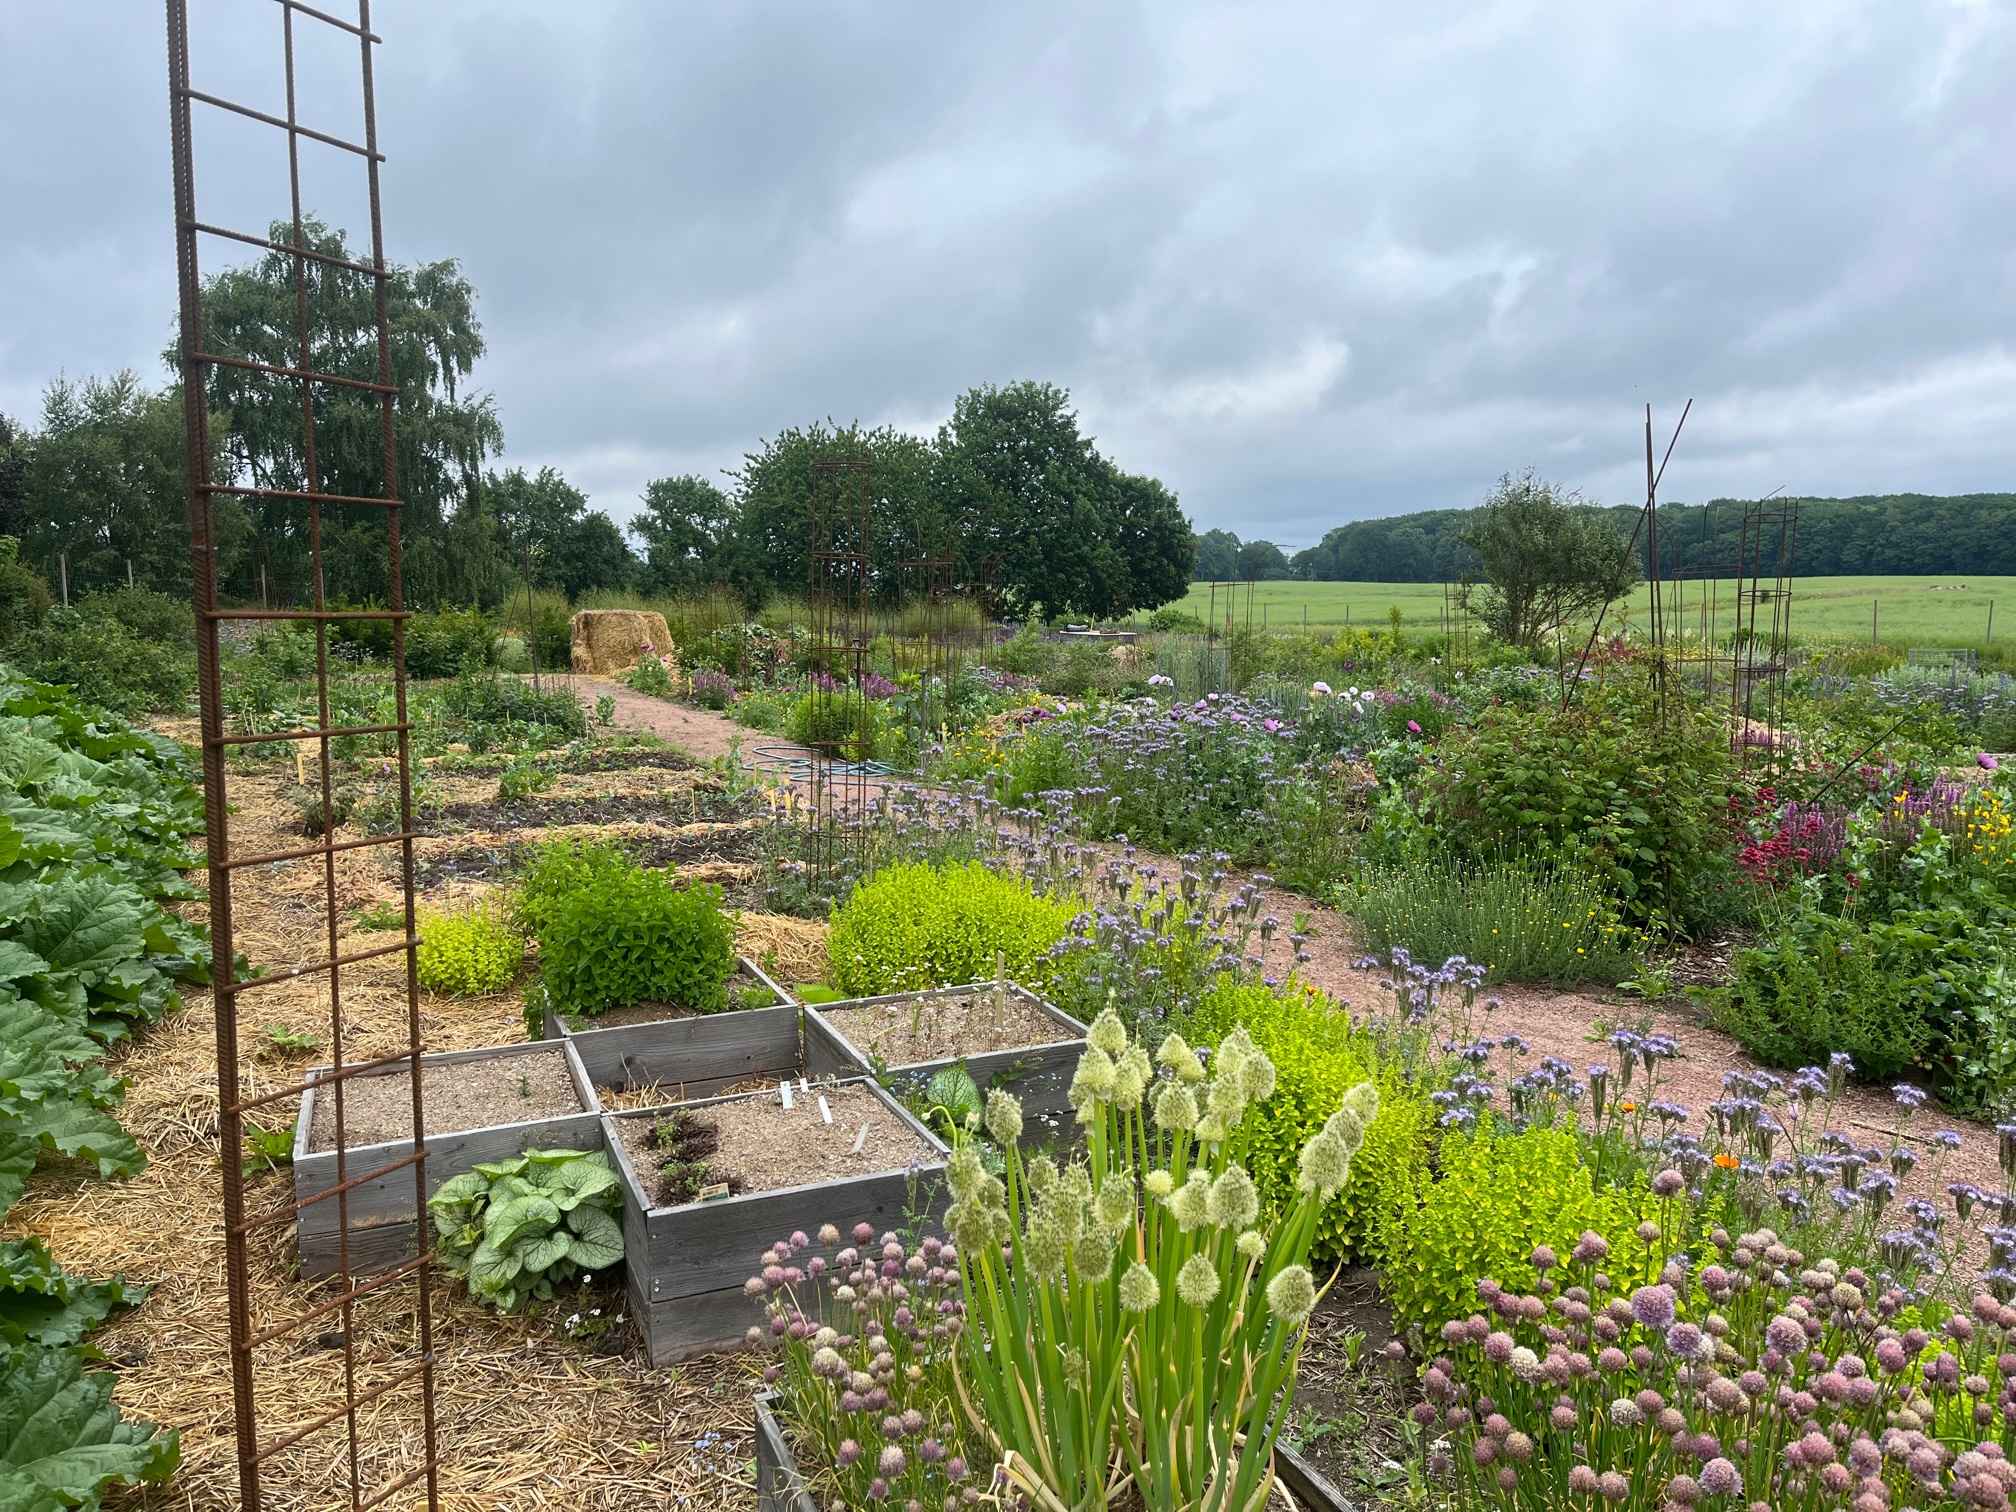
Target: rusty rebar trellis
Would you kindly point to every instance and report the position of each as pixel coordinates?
(309, 266)
(839, 521)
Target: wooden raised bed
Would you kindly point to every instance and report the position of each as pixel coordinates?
(687, 1264)
(692, 1056)
(780, 1487)
(384, 1227)
(1039, 1074)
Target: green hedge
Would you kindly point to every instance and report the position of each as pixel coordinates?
(917, 925)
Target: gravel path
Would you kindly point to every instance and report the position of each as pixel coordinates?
(1569, 1024)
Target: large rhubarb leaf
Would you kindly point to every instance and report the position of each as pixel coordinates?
(62, 1441)
(41, 1303)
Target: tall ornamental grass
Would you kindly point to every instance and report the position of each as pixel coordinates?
(1522, 920)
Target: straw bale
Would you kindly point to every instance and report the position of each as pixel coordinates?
(613, 640)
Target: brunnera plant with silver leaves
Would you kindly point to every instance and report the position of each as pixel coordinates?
(1130, 1322)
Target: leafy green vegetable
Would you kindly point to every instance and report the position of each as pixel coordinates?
(62, 1441)
(517, 1228)
(41, 1303)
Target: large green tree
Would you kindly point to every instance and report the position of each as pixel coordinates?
(1153, 538)
(443, 433)
(1217, 556)
(683, 523)
(780, 494)
(550, 536)
(1036, 513)
(15, 444)
(1546, 558)
(103, 489)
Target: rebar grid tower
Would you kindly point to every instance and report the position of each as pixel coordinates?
(408, 1382)
(838, 519)
(1763, 635)
(932, 645)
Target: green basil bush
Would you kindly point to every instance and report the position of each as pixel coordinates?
(631, 936)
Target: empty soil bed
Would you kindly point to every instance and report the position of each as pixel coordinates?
(658, 1013)
(944, 1028)
(760, 1146)
(470, 1094)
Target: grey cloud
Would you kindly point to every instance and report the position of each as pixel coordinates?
(1305, 263)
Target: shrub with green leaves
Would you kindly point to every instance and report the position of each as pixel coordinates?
(630, 936)
(470, 951)
(1523, 920)
(1496, 1196)
(559, 867)
(916, 925)
(1318, 1056)
(822, 719)
(1639, 803)
(515, 1229)
(93, 651)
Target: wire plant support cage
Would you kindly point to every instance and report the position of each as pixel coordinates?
(381, 1387)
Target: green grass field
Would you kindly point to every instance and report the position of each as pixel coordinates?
(1908, 610)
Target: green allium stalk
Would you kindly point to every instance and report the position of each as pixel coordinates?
(1142, 1328)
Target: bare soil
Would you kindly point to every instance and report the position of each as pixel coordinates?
(945, 1028)
(657, 1012)
(763, 1147)
(469, 1094)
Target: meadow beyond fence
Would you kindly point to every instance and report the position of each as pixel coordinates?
(1907, 610)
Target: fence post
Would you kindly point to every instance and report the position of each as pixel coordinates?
(63, 566)
(1991, 622)
(129, 582)
(1872, 622)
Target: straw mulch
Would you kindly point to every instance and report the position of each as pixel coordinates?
(529, 1417)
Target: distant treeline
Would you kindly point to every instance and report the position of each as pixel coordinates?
(1874, 533)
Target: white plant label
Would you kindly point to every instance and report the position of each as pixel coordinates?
(784, 1091)
(861, 1139)
(825, 1112)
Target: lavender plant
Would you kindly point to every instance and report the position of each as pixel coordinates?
(1133, 1327)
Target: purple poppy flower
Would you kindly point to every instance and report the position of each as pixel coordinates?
(1986, 762)
(1413, 728)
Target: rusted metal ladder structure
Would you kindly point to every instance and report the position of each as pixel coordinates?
(340, 1312)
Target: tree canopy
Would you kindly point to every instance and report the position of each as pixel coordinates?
(1545, 559)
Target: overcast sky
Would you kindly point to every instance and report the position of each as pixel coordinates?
(1305, 263)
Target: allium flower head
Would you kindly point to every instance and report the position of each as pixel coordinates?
(1325, 1166)
(1158, 1183)
(1191, 1202)
(1252, 1244)
(1004, 1117)
(1139, 1290)
(1197, 1282)
(1653, 1306)
(1176, 1107)
(1108, 1034)
(1291, 1295)
(1235, 1200)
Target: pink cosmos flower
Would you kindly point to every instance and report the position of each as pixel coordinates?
(1413, 728)
(1270, 725)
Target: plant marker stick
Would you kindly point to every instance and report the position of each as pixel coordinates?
(861, 1137)
(825, 1112)
(784, 1091)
